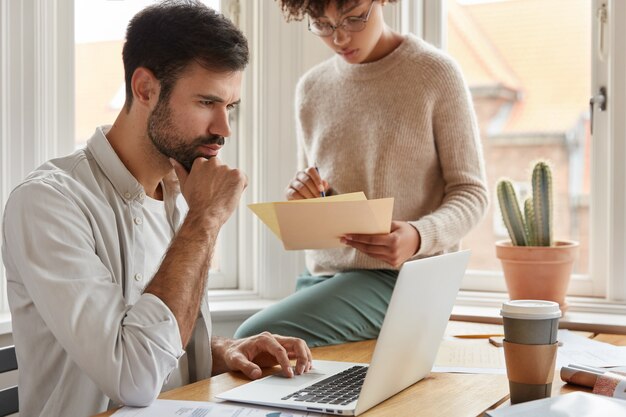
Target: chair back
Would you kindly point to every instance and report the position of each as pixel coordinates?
(9, 402)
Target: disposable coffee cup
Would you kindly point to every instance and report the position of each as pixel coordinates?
(530, 344)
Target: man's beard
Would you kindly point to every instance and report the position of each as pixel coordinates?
(170, 142)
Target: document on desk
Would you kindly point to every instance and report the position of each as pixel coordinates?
(178, 408)
(574, 404)
(469, 356)
(318, 223)
(584, 351)
(478, 356)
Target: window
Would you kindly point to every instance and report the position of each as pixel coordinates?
(37, 71)
(530, 78)
(531, 66)
(99, 30)
(38, 80)
(599, 187)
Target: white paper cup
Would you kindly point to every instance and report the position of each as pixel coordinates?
(529, 322)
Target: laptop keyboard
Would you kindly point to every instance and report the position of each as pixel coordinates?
(340, 389)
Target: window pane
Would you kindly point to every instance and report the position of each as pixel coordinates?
(527, 63)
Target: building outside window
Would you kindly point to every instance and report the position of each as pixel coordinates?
(529, 73)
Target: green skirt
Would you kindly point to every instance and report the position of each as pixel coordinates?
(329, 310)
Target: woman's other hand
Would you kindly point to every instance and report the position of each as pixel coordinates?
(393, 248)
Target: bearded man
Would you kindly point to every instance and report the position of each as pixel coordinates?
(107, 250)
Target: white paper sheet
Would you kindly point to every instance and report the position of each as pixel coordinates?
(575, 404)
(177, 408)
(584, 351)
(478, 356)
(469, 356)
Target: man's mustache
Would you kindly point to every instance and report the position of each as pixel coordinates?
(213, 140)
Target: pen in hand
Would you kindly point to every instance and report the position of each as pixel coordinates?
(322, 192)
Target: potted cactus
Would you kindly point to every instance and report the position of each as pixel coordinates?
(535, 266)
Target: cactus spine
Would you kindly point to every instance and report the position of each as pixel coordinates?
(535, 227)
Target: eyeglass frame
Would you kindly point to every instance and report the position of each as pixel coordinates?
(340, 25)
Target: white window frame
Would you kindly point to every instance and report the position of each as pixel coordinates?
(269, 271)
(37, 105)
(37, 98)
(606, 281)
(267, 145)
(280, 53)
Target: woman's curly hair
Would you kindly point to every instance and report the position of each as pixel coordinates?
(297, 9)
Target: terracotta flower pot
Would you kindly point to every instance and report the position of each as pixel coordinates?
(538, 272)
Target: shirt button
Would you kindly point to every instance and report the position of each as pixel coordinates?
(127, 195)
(138, 277)
(142, 195)
(138, 220)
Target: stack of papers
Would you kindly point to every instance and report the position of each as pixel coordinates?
(319, 223)
(177, 408)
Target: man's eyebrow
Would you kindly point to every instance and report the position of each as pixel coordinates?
(211, 97)
(217, 99)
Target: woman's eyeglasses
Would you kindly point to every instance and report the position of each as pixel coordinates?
(348, 24)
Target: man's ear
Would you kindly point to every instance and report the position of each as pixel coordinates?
(145, 87)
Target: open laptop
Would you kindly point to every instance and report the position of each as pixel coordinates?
(405, 351)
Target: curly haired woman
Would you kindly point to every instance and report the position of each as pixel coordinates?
(392, 116)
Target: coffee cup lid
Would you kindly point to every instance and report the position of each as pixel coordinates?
(530, 309)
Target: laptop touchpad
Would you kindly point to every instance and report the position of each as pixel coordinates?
(297, 380)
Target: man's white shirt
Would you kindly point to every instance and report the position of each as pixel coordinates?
(78, 256)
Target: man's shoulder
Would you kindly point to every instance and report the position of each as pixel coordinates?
(67, 175)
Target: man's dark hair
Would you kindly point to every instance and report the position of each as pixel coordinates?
(297, 9)
(168, 36)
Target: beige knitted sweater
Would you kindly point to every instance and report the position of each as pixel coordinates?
(401, 127)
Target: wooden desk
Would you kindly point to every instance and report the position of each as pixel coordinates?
(440, 394)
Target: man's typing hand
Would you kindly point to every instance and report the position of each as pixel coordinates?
(249, 355)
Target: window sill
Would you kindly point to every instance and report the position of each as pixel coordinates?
(585, 314)
(225, 305)
(229, 307)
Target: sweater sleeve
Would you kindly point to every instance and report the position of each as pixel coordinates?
(459, 151)
(302, 161)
